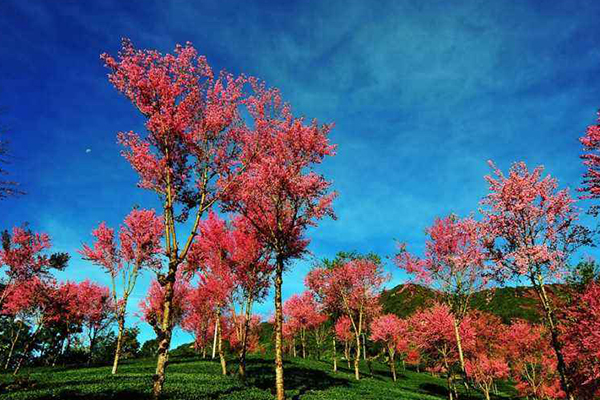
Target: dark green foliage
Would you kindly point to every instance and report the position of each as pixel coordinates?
(149, 348)
(190, 378)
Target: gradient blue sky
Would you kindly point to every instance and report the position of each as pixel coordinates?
(422, 93)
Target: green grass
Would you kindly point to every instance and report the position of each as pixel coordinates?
(192, 378)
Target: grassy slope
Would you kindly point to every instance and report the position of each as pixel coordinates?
(190, 378)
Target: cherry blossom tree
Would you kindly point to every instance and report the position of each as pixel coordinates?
(302, 311)
(433, 332)
(25, 255)
(252, 271)
(353, 288)
(343, 332)
(486, 361)
(591, 159)
(453, 265)
(532, 361)
(199, 317)
(279, 193)
(139, 249)
(30, 303)
(391, 332)
(98, 311)
(195, 146)
(533, 230)
(581, 335)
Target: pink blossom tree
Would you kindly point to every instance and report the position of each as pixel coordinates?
(139, 249)
(303, 312)
(353, 287)
(98, 311)
(591, 159)
(30, 303)
(391, 332)
(199, 317)
(25, 255)
(343, 331)
(433, 332)
(453, 265)
(533, 230)
(581, 335)
(533, 364)
(195, 147)
(279, 193)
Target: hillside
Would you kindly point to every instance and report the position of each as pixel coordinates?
(507, 303)
(191, 378)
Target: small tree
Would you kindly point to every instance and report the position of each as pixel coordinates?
(391, 332)
(139, 249)
(453, 265)
(353, 288)
(432, 330)
(24, 256)
(302, 311)
(98, 311)
(582, 342)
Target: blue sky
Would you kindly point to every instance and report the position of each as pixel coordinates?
(422, 93)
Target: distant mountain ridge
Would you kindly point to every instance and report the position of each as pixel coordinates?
(508, 303)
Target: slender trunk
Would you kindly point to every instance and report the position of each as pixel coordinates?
(58, 352)
(347, 353)
(203, 352)
(92, 345)
(121, 322)
(392, 365)
(26, 350)
(364, 347)
(461, 356)
(165, 332)
(334, 356)
(357, 358)
(486, 393)
(294, 347)
(245, 332)
(221, 353)
(555, 341)
(12, 345)
(279, 330)
(303, 340)
(214, 346)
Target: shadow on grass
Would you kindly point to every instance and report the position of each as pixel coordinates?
(261, 374)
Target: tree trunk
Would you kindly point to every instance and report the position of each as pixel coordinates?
(334, 356)
(279, 330)
(26, 350)
(347, 353)
(461, 356)
(294, 347)
(555, 341)
(303, 340)
(357, 358)
(242, 367)
(221, 353)
(92, 345)
(121, 322)
(364, 347)
(214, 345)
(392, 365)
(12, 345)
(165, 332)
